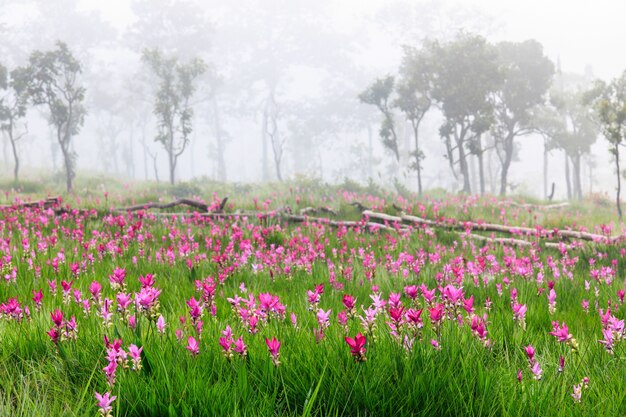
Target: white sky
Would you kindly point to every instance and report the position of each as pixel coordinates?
(579, 32)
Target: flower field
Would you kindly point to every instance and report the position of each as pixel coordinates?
(144, 312)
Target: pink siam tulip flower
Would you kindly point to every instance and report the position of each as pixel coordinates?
(146, 281)
(135, 356)
(552, 301)
(561, 363)
(323, 319)
(117, 278)
(240, 346)
(519, 376)
(57, 318)
(160, 324)
(561, 332)
(109, 372)
(608, 340)
(104, 403)
(411, 291)
(342, 318)
(436, 314)
(519, 314)
(435, 344)
(192, 346)
(95, 288)
(395, 300)
(349, 302)
(273, 346)
(452, 294)
(37, 298)
(294, 320)
(468, 305)
(536, 370)
(357, 347)
(530, 352)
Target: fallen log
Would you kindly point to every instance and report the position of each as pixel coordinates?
(45, 204)
(202, 207)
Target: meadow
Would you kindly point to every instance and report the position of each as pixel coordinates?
(151, 312)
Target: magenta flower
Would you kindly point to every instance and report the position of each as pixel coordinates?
(192, 346)
(349, 301)
(536, 370)
(436, 313)
(357, 347)
(240, 346)
(104, 403)
(530, 352)
(273, 346)
(323, 318)
(135, 356)
(160, 324)
(561, 332)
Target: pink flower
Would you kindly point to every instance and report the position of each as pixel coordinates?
(323, 318)
(435, 344)
(436, 313)
(240, 346)
(160, 324)
(273, 346)
(192, 346)
(530, 352)
(135, 356)
(57, 317)
(104, 403)
(349, 301)
(536, 370)
(519, 376)
(561, 333)
(357, 347)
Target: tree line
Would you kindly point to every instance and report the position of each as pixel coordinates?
(51, 79)
(489, 97)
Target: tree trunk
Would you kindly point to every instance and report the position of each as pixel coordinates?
(12, 139)
(568, 181)
(481, 165)
(506, 163)
(217, 125)
(467, 188)
(578, 192)
(370, 152)
(418, 162)
(619, 182)
(545, 168)
(69, 170)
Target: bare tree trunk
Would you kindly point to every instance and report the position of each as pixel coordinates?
(545, 168)
(370, 151)
(567, 177)
(418, 159)
(481, 166)
(69, 170)
(506, 163)
(578, 192)
(219, 138)
(467, 188)
(619, 182)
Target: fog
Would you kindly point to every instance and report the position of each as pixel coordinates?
(281, 85)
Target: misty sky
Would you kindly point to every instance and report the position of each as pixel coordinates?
(579, 32)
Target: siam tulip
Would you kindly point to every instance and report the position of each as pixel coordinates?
(37, 298)
(435, 344)
(357, 347)
(552, 301)
(160, 324)
(240, 347)
(349, 302)
(536, 370)
(436, 316)
(273, 346)
(342, 318)
(95, 288)
(135, 356)
(519, 376)
(192, 346)
(323, 318)
(561, 363)
(608, 340)
(519, 314)
(561, 333)
(468, 305)
(117, 278)
(104, 403)
(411, 291)
(294, 320)
(109, 372)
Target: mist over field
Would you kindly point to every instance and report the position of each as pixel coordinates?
(276, 93)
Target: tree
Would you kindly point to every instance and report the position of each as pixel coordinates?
(378, 94)
(609, 104)
(414, 89)
(172, 107)
(527, 77)
(575, 134)
(466, 74)
(52, 79)
(13, 106)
